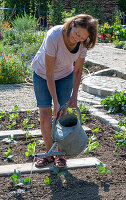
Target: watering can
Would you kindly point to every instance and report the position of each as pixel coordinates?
(68, 133)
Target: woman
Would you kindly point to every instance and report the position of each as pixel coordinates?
(55, 78)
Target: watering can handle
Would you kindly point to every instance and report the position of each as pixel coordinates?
(66, 106)
(55, 119)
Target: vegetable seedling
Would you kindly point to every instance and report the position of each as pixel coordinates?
(92, 145)
(26, 124)
(83, 109)
(41, 142)
(2, 114)
(30, 149)
(17, 180)
(12, 116)
(9, 139)
(101, 169)
(8, 156)
(56, 170)
(96, 130)
(27, 134)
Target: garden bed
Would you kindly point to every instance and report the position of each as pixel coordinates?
(80, 183)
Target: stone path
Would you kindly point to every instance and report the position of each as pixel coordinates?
(7, 170)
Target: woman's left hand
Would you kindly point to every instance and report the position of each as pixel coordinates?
(73, 101)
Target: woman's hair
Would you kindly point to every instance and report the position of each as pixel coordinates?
(83, 21)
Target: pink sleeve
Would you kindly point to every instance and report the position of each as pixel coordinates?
(50, 46)
(83, 52)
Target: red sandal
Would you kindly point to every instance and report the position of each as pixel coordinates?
(43, 161)
(59, 162)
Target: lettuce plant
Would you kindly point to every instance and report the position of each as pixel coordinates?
(17, 180)
(30, 149)
(92, 145)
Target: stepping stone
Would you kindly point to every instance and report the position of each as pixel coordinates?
(35, 133)
(7, 170)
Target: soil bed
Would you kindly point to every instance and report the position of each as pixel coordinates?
(78, 184)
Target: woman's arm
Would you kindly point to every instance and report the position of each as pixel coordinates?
(76, 81)
(49, 63)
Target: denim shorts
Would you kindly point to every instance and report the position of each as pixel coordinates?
(64, 88)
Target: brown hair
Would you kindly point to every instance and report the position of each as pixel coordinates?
(83, 21)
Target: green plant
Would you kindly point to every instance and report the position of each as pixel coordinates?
(26, 124)
(101, 169)
(24, 23)
(8, 156)
(27, 134)
(115, 103)
(12, 116)
(56, 170)
(17, 180)
(83, 109)
(111, 33)
(120, 44)
(9, 140)
(120, 138)
(41, 142)
(30, 149)
(92, 145)
(96, 130)
(55, 9)
(2, 114)
(83, 118)
(66, 14)
(11, 69)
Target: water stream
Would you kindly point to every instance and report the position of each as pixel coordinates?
(32, 166)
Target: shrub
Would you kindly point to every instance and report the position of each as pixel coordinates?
(120, 44)
(12, 70)
(24, 23)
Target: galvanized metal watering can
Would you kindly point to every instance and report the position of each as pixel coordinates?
(68, 133)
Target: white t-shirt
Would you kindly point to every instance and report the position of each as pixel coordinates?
(53, 45)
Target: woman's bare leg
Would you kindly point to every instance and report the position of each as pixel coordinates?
(46, 125)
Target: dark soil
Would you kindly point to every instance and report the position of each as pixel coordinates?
(73, 184)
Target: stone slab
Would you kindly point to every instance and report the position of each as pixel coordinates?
(35, 133)
(7, 170)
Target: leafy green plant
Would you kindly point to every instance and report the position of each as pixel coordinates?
(30, 149)
(48, 181)
(9, 139)
(2, 114)
(26, 124)
(17, 180)
(24, 23)
(120, 138)
(27, 134)
(92, 145)
(83, 109)
(56, 170)
(55, 9)
(101, 169)
(83, 118)
(11, 69)
(120, 44)
(96, 130)
(115, 103)
(8, 156)
(66, 14)
(111, 33)
(41, 142)
(12, 116)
